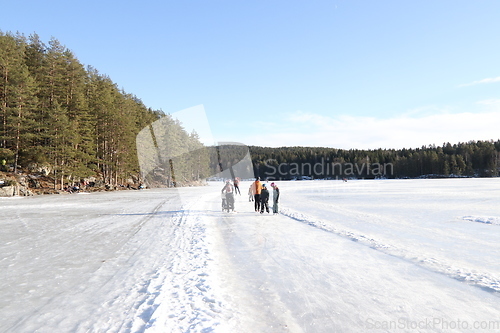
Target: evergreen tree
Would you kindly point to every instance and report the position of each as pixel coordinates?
(17, 93)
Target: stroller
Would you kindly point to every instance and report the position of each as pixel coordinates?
(227, 201)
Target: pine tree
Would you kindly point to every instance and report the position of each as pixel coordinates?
(17, 95)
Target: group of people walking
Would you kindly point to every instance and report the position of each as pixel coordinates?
(257, 192)
(260, 195)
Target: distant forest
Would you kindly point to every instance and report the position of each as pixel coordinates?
(471, 159)
(69, 121)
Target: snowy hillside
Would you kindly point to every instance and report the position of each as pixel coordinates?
(361, 256)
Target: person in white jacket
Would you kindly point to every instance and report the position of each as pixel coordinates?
(276, 196)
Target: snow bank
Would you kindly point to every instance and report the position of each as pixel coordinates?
(483, 219)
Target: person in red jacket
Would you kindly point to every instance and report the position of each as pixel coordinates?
(236, 183)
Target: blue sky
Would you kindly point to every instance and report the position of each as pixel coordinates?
(338, 73)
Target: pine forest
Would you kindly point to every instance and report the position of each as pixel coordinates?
(469, 159)
(67, 121)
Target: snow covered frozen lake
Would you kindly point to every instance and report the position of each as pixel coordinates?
(361, 256)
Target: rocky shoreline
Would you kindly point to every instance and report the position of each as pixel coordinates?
(33, 184)
(12, 185)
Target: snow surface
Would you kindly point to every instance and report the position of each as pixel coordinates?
(361, 256)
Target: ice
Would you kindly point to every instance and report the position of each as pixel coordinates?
(356, 256)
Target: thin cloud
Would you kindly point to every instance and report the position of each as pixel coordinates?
(353, 132)
(494, 102)
(487, 80)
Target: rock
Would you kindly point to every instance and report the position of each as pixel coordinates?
(13, 190)
(34, 183)
(40, 169)
(7, 191)
(23, 191)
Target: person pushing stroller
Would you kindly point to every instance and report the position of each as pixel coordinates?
(227, 194)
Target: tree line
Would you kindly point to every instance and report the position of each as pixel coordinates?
(468, 159)
(68, 119)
